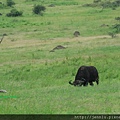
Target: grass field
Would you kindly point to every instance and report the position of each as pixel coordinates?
(36, 79)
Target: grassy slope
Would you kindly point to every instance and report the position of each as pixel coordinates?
(59, 21)
(37, 80)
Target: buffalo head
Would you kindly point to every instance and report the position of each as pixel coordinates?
(78, 82)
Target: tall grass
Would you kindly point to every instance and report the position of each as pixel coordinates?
(36, 79)
(42, 86)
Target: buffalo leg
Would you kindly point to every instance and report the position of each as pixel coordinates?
(91, 83)
(97, 82)
(85, 84)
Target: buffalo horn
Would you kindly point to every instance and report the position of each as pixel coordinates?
(71, 82)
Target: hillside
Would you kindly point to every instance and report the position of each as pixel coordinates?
(36, 79)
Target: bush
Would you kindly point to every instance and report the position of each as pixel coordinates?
(116, 27)
(10, 3)
(117, 18)
(38, 9)
(2, 5)
(112, 34)
(96, 1)
(104, 4)
(14, 13)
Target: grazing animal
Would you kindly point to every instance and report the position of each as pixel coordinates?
(85, 75)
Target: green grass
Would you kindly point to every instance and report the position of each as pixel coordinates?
(36, 80)
(59, 21)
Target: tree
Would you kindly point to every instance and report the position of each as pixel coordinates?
(10, 3)
(38, 9)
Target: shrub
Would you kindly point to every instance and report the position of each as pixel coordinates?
(14, 13)
(116, 27)
(38, 9)
(10, 3)
(117, 18)
(104, 4)
(2, 5)
(112, 34)
(96, 1)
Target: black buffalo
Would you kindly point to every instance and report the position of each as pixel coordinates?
(85, 75)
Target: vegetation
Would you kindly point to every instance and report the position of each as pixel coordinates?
(104, 4)
(112, 34)
(1, 5)
(115, 29)
(38, 9)
(117, 18)
(14, 13)
(10, 3)
(36, 80)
